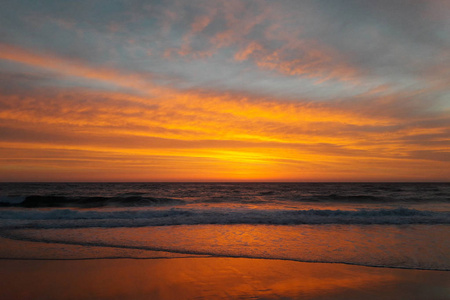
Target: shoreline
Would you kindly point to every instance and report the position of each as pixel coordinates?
(213, 278)
(193, 255)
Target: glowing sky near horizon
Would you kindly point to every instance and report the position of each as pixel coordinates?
(323, 90)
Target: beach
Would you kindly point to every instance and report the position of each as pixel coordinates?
(225, 241)
(213, 278)
(242, 149)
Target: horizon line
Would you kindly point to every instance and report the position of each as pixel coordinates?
(224, 181)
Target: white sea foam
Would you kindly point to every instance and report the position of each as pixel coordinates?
(394, 225)
(67, 218)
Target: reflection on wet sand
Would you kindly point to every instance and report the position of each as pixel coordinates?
(412, 246)
(213, 278)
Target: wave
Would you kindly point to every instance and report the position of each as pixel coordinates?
(38, 201)
(380, 246)
(72, 218)
(367, 198)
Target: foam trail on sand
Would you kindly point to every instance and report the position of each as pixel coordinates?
(414, 246)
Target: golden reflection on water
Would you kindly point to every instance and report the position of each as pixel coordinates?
(212, 278)
(220, 277)
(412, 246)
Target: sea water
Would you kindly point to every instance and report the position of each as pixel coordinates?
(398, 225)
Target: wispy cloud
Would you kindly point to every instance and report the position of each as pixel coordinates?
(235, 90)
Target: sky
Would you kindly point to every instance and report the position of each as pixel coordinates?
(236, 90)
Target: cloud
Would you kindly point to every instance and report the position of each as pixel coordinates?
(69, 67)
(198, 117)
(282, 90)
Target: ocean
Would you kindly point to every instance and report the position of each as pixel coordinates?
(395, 225)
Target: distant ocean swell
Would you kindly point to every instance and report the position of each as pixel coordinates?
(72, 218)
(38, 201)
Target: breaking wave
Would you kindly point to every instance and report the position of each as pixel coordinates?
(72, 218)
(38, 201)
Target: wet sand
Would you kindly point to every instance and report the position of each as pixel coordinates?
(213, 278)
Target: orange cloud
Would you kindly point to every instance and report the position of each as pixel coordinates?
(227, 138)
(72, 134)
(281, 46)
(200, 23)
(309, 60)
(77, 68)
